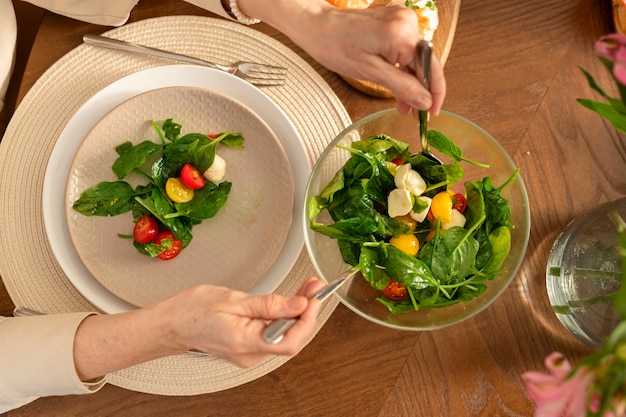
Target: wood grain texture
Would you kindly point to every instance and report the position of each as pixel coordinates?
(513, 69)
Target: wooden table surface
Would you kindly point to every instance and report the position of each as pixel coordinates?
(513, 69)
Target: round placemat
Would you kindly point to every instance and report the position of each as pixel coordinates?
(28, 267)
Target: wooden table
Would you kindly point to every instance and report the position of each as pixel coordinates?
(514, 70)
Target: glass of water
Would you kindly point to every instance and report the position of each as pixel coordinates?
(584, 273)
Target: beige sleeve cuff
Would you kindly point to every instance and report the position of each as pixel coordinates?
(37, 359)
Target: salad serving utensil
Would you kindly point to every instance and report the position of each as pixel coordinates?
(423, 57)
(275, 331)
(260, 75)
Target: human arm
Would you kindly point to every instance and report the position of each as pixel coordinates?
(64, 354)
(225, 323)
(364, 44)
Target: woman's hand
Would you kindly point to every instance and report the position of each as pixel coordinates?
(375, 44)
(229, 324)
(216, 320)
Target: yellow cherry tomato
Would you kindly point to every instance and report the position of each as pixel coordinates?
(406, 243)
(441, 207)
(177, 191)
(408, 220)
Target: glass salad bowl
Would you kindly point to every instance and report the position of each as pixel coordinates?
(358, 294)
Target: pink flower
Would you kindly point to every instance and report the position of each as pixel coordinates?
(619, 406)
(613, 47)
(555, 394)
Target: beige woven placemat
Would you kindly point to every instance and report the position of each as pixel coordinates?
(28, 268)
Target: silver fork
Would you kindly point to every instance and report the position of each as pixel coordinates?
(261, 75)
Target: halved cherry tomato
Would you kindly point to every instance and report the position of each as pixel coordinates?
(406, 243)
(459, 202)
(395, 291)
(213, 135)
(398, 161)
(408, 220)
(191, 177)
(177, 191)
(173, 250)
(145, 229)
(441, 206)
(430, 216)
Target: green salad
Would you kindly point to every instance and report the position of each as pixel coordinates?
(184, 186)
(395, 217)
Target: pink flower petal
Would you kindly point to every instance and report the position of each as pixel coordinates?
(620, 54)
(604, 49)
(558, 365)
(619, 71)
(557, 393)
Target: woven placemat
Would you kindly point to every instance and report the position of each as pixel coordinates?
(28, 267)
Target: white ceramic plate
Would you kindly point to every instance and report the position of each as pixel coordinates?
(130, 86)
(237, 248)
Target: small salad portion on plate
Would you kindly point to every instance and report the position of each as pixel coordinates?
(233, 228)
(175, 197)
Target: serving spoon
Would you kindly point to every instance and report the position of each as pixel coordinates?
(275, 331)
(423, 57)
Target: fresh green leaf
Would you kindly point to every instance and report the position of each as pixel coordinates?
(444, 145)
(608, 111)
(131, 157)
(106, 199)
(205, 204)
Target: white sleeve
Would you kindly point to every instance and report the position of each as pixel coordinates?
(113, 13)
(214, 6)
(37, 359)
(106, 13)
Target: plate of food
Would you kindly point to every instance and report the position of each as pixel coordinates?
(187, 176)
(267, 117)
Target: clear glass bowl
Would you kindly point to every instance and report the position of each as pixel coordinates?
(584, 268)
(477, 145)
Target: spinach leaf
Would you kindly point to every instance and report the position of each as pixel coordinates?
(106, 199)
(205, 204)
(159, 205)
(198, 149)
(444, 145)
(171, 129)
(500, 243)
(131, 157)
(407, 269)
(368, 262)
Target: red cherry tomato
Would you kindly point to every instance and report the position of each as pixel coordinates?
(396, 291)
(145, 230)
(398, 161)
(190, 176)
(172, 251)
(430, 216)
(213, 135)
(459, 202)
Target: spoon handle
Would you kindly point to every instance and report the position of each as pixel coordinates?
(275, 331)
(423, 56)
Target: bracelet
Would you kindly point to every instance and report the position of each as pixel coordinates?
(241, 18)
